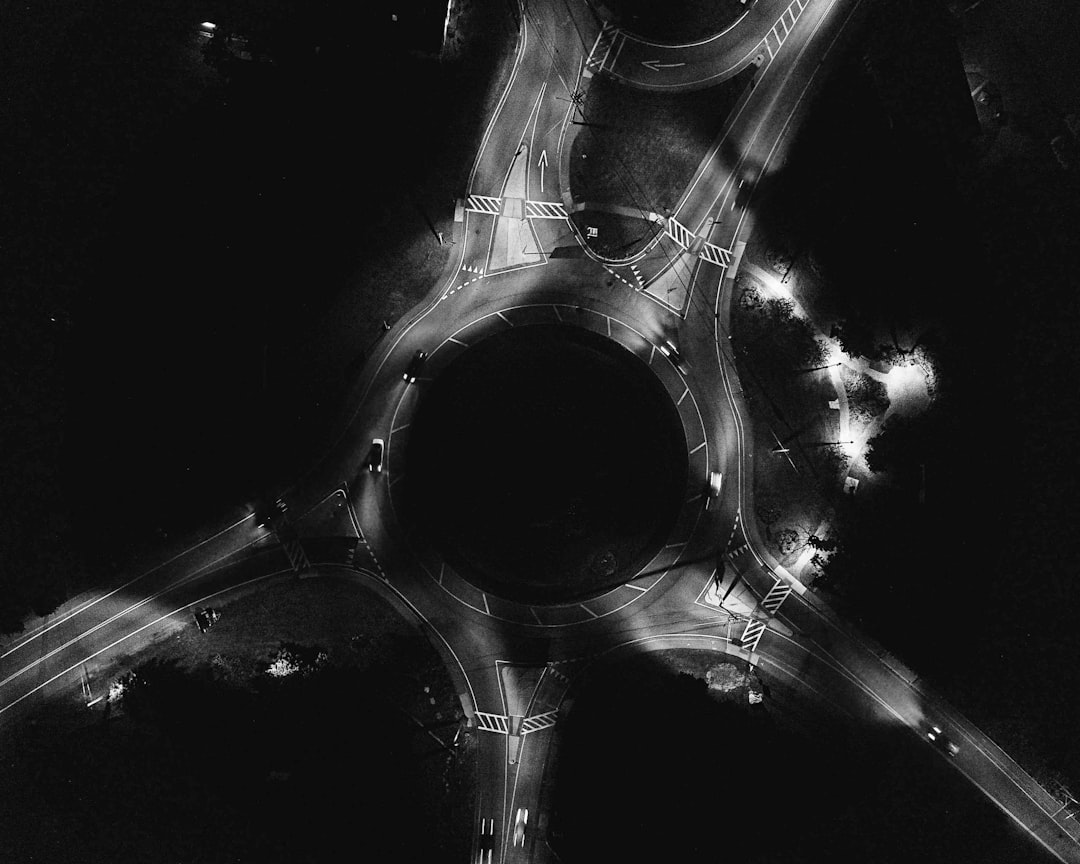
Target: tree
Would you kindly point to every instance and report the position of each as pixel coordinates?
(855, 338)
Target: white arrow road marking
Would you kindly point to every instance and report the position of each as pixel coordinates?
(542, 163)
(656, 65)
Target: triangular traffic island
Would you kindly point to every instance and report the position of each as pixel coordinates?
(513, 242)
(518, 685)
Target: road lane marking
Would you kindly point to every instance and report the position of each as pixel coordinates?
(157, 620)
(699, 446)
(68, 616)
(204, 570)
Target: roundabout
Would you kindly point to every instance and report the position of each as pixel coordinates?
(546, 463)
(549, 468)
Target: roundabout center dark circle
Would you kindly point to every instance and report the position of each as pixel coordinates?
(546, 463)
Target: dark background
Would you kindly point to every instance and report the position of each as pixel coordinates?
(175, 224)
(540, 451)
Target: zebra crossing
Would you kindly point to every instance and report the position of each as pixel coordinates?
(776, 596)
(679, 233)
(780, 30)
(538, 722)
(484, 204)
(601, 49)
(545, 210)
(751, 635)
(500, 723)
(288, 538)
(492, 205)
(714, 254)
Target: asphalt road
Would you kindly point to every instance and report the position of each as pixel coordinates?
(512, 662)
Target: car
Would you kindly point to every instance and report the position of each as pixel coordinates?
(669, 350)
(520, 821)
(206, 618)
(375, 456)
(416, 366)
(936, 736)
(716, 480)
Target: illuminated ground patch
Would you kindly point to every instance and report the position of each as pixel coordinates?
(545, 462)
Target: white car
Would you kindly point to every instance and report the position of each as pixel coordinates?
(520, 821)
(375, 456)
(716, 480)
(669, 350)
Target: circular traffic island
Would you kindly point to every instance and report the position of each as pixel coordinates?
(546, 463)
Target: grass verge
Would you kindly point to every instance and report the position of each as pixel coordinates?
(640, 149)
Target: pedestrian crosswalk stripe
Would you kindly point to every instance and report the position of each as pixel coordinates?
(538, 722)
(545, 210)
(484, 204)
(714, 254)
(492, 723)
(776, 596)
(601, 49)
(752, 635)
(679, 233)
